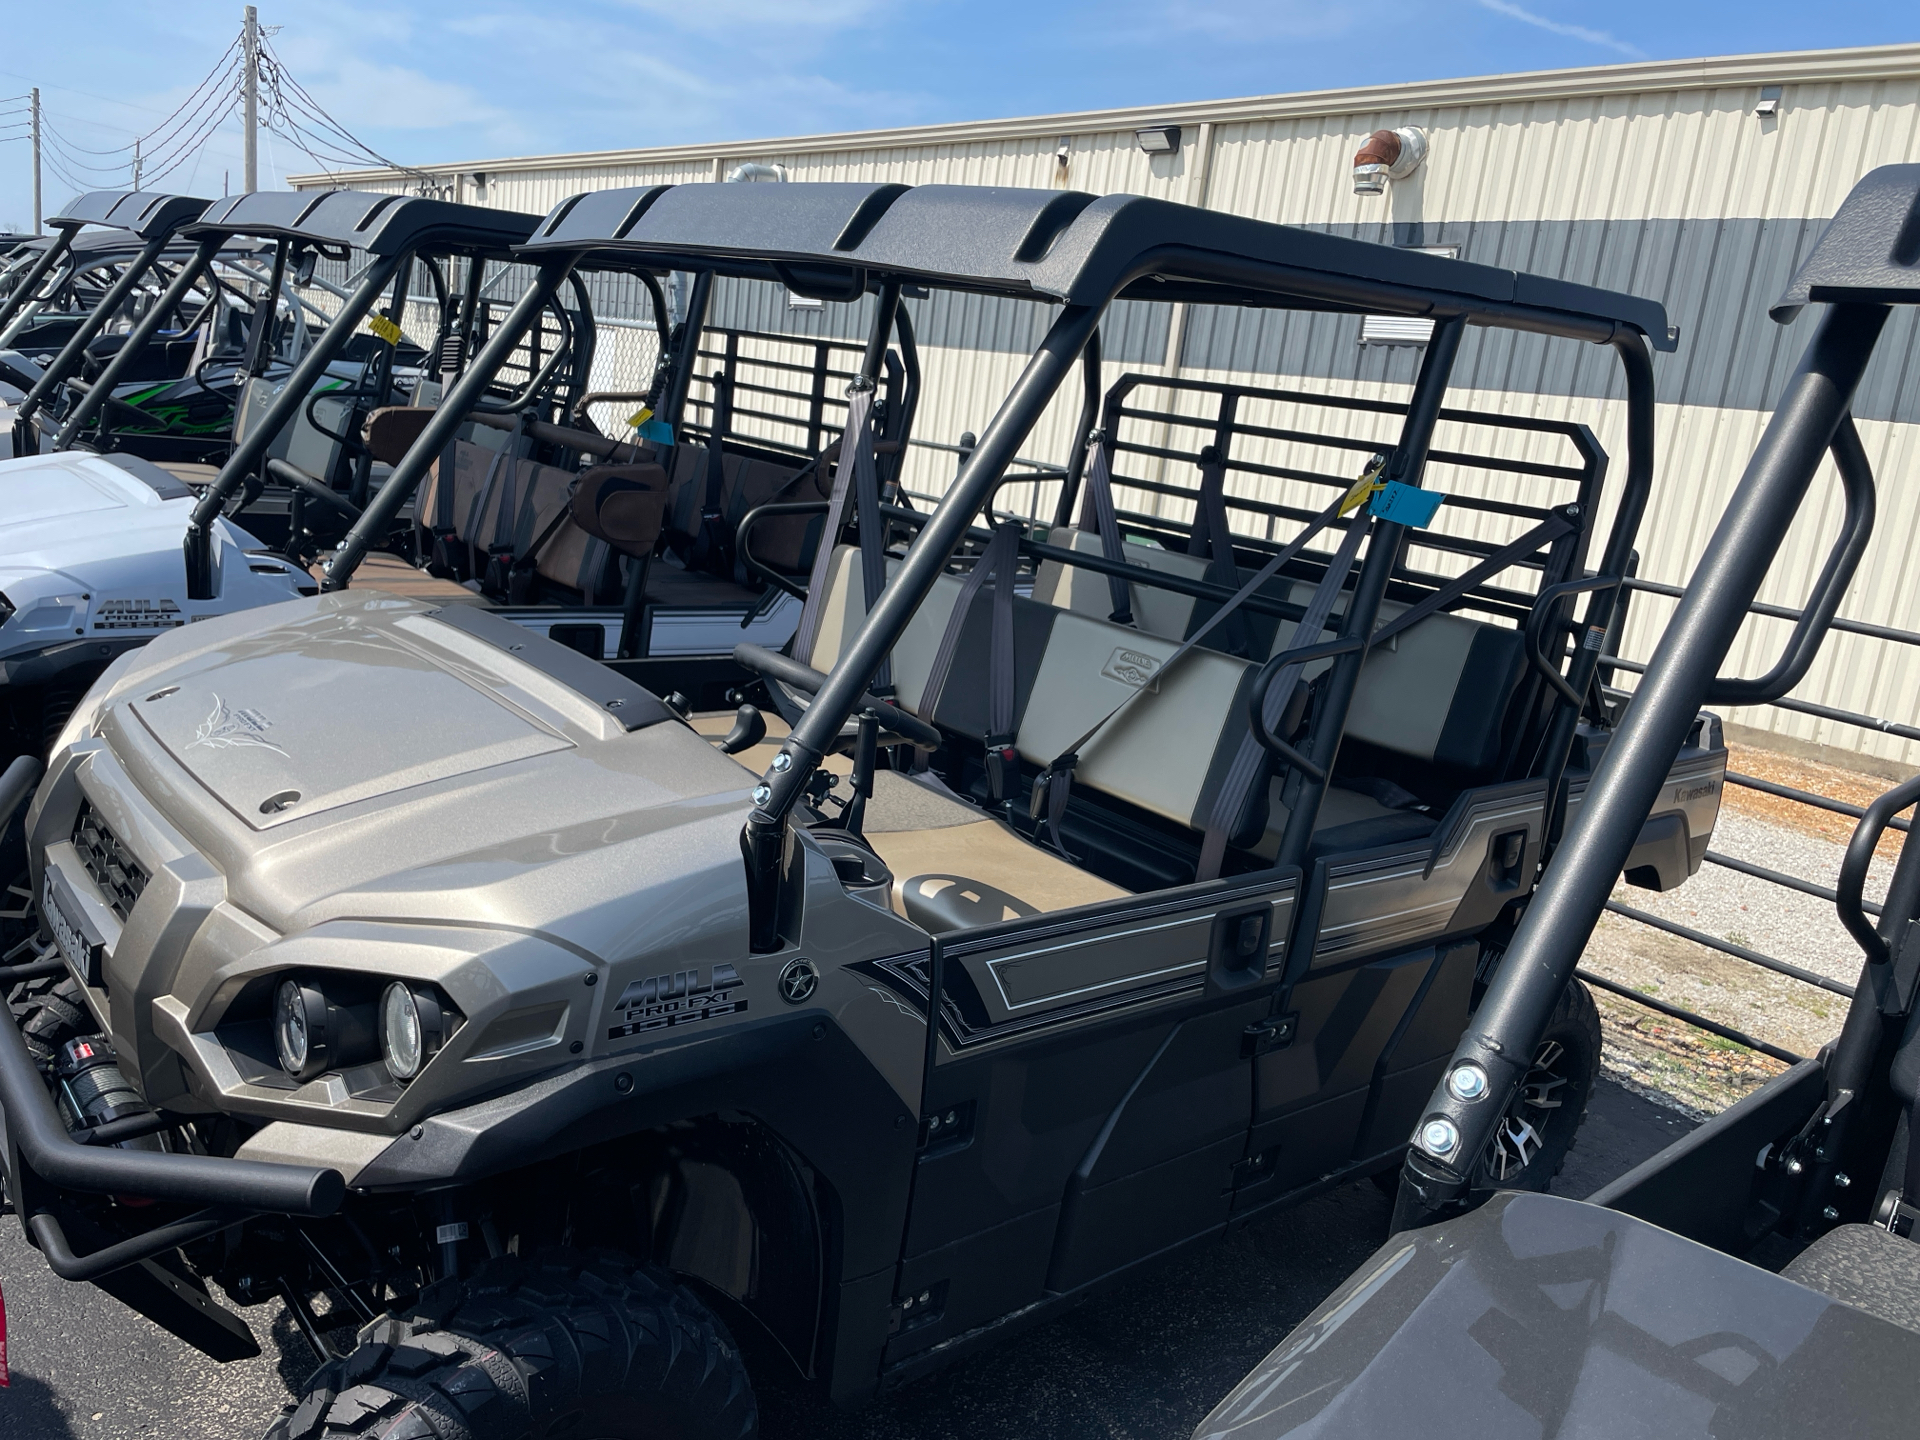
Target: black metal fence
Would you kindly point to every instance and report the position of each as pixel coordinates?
(1795, 883)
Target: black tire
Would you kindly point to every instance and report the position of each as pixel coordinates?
(50, 1011)
(1545, 1113)
(591, 1347)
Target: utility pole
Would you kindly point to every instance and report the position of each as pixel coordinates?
(250, 47)
(36, 159)
(136, 163)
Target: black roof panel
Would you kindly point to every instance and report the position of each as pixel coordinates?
(1058, 245)
(1871, 250)
(144, 212)
(378, 224)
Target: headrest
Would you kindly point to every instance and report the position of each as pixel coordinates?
(624, 505)
(392, 429)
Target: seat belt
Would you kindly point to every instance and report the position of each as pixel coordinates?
(997, 563)
(520, 574)
(1097, 514)
(1249, 767)
(484, 502)
(707, 552)
(856, 477)
(1545, 533)
(1055, 783)
(1249, 763)
(1212, 539)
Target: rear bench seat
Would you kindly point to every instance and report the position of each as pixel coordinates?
(1439, 692)
(1168, 754)
(523, 500)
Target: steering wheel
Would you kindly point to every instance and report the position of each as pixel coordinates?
(788, 671)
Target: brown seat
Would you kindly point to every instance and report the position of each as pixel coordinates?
(624, 505)
(382, 571)
(392, 429)
(187, 472)
(952, 865)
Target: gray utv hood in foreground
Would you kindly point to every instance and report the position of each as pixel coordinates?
(361, 742)
(1535, 1316)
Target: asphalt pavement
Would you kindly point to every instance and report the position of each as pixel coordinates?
(1143, 1360)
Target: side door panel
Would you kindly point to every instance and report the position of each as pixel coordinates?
(1365, 1035)
(1090, 1098)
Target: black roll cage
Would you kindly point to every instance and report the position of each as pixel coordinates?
(1865, 263)
(394, 230)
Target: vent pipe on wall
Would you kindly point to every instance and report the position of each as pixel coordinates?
(755, 170)
(1388, 155)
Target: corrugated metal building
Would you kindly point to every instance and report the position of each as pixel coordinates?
(1658, 178)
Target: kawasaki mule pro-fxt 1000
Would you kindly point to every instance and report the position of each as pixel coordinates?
(91, 545)
(456, 988)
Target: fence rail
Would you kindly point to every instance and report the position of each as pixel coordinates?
(1797, 884)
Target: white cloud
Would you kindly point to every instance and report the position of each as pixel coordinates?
(1558, 27)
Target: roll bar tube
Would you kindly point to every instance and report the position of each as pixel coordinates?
(1859, 859)
(763, 838)
(1090, 375)
(30, 282)
(75, 350)
(1551, 935)
(454, 407)
(1408, 465)
(102, 389)
(248, 454)
(1638, 368)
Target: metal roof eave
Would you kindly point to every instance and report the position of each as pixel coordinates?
(1866, 63)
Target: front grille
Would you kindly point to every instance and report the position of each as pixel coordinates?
(116, 872)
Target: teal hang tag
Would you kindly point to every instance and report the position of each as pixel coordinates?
(1406, 505)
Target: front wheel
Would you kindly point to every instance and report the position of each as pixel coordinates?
(591, 1347)
(1533, 1137)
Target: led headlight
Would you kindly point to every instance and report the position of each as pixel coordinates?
(412, 1027)
(311, 1034)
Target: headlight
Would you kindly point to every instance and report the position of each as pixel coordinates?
(412, 1027)
(312, 1035)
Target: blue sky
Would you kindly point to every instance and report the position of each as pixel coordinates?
(427, 81)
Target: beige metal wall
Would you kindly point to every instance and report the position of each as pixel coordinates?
(1656, 178)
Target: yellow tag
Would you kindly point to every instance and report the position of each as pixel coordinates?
(1365, 487)
(639, 418)
(385, 329)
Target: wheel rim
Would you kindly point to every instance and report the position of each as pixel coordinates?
(1522, 1131)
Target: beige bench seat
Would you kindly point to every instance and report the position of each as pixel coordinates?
(951, 864)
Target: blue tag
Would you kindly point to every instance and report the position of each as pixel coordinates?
(1405, 505)
(656, 432)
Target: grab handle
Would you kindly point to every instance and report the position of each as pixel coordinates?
(1856, 528)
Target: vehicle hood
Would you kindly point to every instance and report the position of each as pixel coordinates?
(59, 511)
(1535, 1315)
(91, 545)
(358, 754)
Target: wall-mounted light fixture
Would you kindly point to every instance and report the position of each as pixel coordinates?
(1158, 139)
(1063, 152)
(1769, 106)
(1388, 155)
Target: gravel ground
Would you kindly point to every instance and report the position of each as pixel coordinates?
(1697, 1072)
